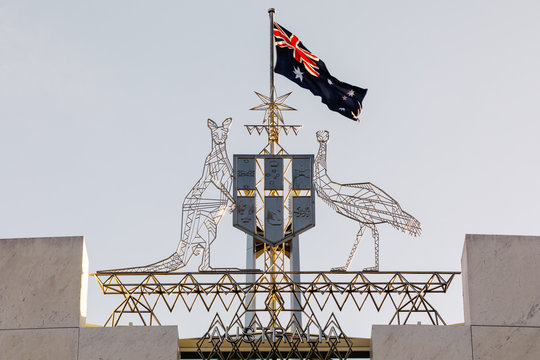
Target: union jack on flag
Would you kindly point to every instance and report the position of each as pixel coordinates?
(298, 64)
(299, 53)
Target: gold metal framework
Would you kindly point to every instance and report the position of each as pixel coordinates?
(282, 340)
(363, 202)
(355, 348)
(406, 292)
(247, 337)
(273, 123)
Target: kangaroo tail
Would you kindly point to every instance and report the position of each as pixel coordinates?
(173, 262)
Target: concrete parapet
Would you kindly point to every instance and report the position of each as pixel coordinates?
(410, 342)
(129, 343)
(39, 344)
(43, 282)
(500, 280)
(502, 308)
(43, 292)
(407, 342)
(504, 343)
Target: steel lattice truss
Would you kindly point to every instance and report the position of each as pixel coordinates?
(405, 292)
(203, 208)
(363, 202)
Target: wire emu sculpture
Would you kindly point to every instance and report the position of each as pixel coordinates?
(202, 210)
(363, 202)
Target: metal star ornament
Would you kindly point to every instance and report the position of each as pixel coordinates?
(273, 109)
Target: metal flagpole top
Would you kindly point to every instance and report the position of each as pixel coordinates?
(271, 13)
(273, 120)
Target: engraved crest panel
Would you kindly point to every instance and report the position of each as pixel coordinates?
(244, 214)
(302, 173)
(245, 173)
(273, 173)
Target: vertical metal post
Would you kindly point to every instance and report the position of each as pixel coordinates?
(271, 12)
(251, 263)
(273, 131)
(294, 257)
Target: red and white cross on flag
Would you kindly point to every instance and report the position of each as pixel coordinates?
(284, 40)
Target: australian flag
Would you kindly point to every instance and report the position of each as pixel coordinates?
(295, 62)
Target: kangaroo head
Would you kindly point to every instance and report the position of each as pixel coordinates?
(323, 136)
(219, 133)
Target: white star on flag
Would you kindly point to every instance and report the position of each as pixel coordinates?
(298, 74)
(330, 82)
(351, 93)
(344, 97)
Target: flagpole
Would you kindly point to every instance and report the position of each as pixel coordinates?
(273, 131)
(273, 137)
(271, 12)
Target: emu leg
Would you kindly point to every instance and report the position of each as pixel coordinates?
(353, 251)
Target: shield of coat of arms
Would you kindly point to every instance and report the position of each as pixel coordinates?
(274, 196)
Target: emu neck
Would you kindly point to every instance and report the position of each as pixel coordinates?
(321, 157)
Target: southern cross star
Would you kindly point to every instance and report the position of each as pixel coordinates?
(350, 93)
(330, 82)
(344, 97)
(298, 74)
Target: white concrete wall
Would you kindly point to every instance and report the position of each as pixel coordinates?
(43, 282)
(501, 293)
(39, 344)
(501, 280)
(505, 343)
(129, 343)
(420, 342)
(43, 291)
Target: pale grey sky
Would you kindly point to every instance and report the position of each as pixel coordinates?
(103, 108)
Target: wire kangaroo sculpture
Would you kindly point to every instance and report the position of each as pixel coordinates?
(202, 210)
(363, 202)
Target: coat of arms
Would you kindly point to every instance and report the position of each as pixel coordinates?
(274, 196)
